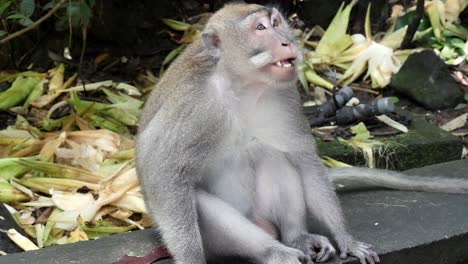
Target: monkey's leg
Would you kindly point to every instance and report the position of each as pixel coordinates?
(323, 203)
(176, 217)
(226, 232)
(281, 200)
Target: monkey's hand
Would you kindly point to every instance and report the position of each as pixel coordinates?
(280, 254)
(360, 250)
(308, 243)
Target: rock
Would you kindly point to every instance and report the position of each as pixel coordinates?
(7, 222)
(425, 78)
(423, 145)
(412, 227)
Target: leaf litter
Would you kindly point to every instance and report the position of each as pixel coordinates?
(70, 177)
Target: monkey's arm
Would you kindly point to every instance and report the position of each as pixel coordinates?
(355, 177)
(321, 199)
(322, 202)
(173, 145)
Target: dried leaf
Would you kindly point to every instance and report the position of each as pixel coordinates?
(455, 123)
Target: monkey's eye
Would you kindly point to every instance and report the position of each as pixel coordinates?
(275, 23)
(261, 27)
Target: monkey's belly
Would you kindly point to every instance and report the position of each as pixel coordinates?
(257, 191)
(233, 181)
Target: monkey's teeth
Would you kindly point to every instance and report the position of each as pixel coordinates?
(283, 64)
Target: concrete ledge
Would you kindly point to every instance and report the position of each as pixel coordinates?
(404, 227)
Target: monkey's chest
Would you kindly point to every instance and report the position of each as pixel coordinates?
(233, 173)
(230, 175)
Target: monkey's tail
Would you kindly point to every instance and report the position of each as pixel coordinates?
(349, 178)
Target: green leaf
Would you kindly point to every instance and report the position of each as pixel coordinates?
(335, 40)
(79, 14)
(25, 22)
(4, 4)
(466, 97)
(406, 19)
(460, 106)
(91, 3)
(361, 132)
(104, 227)
(3, 33)
(457, 43)
(49, 5)
(175, 25)
(394, 99)
(16, 16)
(172, 55)
(301, 75)
(456, 30)
(27, 7)
(17, 93)
(22, 19)
(447, 53)
(86, 14)
(74, 14)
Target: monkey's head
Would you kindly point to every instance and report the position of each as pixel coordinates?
(252, 42)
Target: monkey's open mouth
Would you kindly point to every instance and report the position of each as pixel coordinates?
(287, 63)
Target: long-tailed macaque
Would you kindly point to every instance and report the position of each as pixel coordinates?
(225, 157)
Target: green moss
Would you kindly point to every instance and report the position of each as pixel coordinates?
(423, 145)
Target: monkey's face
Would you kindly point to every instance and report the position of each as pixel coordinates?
(253, 43)
(275, 52)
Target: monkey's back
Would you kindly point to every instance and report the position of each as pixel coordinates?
(179, 82)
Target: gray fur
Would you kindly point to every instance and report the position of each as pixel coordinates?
(226, 161)
(350, 178)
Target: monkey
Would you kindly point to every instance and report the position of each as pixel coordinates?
(225, 157)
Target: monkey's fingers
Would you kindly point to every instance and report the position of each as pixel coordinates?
(324, 255)
(366, 245)
(374, 255)
(360, 250)
(326, 251)
(363, 256)
(311, 253)
(305, 260)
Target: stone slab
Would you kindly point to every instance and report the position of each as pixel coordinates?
(104, 250)
(423, 145)
(404, 227)
(7, 222)
(412, 227)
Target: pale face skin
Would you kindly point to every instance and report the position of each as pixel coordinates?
(278, 62)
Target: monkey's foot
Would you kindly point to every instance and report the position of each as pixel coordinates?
(309, 243)
(360, 250)
(281, 254)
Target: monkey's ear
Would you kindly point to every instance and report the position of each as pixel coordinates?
(212, 41)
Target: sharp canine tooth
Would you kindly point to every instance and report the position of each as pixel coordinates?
(278, 63)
